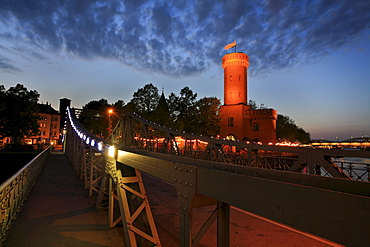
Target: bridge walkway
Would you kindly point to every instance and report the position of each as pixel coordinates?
(59, 212)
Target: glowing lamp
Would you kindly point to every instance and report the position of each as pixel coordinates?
(111, 151)
(100, 146)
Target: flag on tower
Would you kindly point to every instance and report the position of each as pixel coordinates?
(231, 45)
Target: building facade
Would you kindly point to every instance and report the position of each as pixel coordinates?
(238, 120)
(49, 130)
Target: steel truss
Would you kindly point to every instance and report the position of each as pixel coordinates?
(226, 178)
(135, 132)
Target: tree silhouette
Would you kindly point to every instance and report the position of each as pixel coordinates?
(208, 119)
(18, 112)
(287, 130)
(146, 99)
(96, 118)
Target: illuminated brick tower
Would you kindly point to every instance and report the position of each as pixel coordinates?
(238, 121)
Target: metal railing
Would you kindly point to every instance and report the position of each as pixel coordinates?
(356, 170)
(14, 191)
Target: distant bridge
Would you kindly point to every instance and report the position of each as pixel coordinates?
(299, 187)
(356, 142)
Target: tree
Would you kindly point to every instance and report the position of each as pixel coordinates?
(287, 130)
(146, 99)
(173, 106)
(18, 112)
(183, 110)
(96, 118)
(208, 119)
(187, 101)
(254, 105)
(119, 106)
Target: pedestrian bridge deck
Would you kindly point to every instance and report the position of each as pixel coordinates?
(59, 212)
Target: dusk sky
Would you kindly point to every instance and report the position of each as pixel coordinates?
(309, 60)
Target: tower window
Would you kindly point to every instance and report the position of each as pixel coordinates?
(230, 122)
(256, 127)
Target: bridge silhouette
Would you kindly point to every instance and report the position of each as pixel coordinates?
(298, 187)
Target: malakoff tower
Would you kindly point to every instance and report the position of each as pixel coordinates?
(238, 121)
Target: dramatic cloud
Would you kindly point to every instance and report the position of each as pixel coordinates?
(7, 66)
(180, 38)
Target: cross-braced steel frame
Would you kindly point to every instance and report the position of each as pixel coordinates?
(118, 183)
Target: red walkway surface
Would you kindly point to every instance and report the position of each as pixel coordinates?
(59, 212)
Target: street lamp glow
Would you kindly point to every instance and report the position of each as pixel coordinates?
(110, 112)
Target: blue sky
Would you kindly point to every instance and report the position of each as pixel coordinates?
(309, 60)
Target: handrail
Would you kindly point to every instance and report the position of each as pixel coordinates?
(14, 191)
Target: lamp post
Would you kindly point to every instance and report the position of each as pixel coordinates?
(110, 112)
